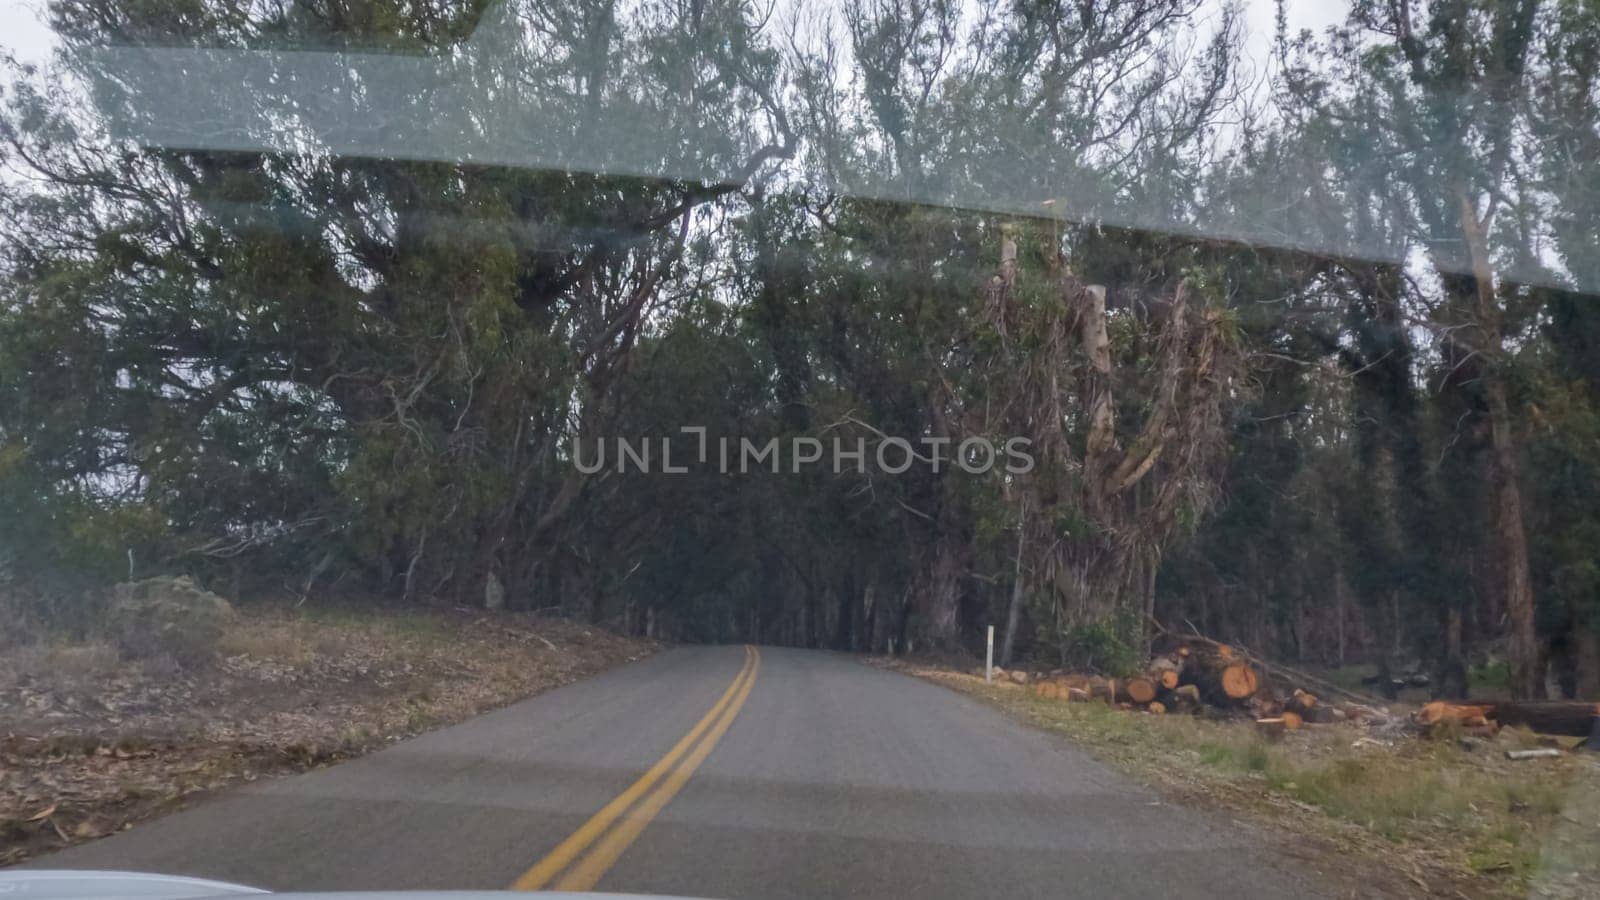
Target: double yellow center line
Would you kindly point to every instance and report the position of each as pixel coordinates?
(580, 860)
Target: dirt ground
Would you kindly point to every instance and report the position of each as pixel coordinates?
(91, 743)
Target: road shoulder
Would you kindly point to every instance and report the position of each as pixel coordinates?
(1219, 768)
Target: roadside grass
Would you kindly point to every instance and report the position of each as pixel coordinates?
(1449, 806)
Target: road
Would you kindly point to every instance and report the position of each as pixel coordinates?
(741, 773)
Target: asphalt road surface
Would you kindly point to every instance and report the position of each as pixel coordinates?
(720, 772)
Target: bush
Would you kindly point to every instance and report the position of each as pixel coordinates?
(170, 616)
(1111, 646)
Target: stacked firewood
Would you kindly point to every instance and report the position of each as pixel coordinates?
(1203, 677)
(1199, 676)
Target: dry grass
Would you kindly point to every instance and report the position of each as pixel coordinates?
(91, 742)
(75, 663)
(1453, 814)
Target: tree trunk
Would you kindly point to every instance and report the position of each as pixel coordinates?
(1586, 660)
(1453, 668)
(1573, 718)
(1509, 535)
(1512, 540)
(938, 607)
(1014, 608)
(1341, 593)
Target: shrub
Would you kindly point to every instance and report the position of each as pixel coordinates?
(167, 615)
(1111, 646)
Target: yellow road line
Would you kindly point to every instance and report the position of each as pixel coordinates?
(587, 873)
(537, 877)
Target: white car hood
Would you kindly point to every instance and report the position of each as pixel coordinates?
(52, 884)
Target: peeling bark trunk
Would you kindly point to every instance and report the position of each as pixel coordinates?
(938, 611)
(1510, 537)
(1014, 607)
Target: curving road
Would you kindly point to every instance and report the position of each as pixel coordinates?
(720, 772)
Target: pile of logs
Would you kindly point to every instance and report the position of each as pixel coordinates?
(1198, 676)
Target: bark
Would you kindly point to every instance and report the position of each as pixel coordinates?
(1573, 718)
(1453, 677)
(1014, 607)
(941, 600)
(1513, 545)
(1101, 440)
(1341, 592)
(1509, 535)
(1586, 661)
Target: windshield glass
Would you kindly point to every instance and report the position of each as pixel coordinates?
(1169, 410)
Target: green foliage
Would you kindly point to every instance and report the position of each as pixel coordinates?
(299, 370)
(1489, 677)
(1113, 646)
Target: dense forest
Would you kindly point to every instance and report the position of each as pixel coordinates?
(1304, 350)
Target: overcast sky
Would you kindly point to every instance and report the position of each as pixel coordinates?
(21, 31)
(23, 34)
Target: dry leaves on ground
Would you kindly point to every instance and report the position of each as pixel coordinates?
(90, 744)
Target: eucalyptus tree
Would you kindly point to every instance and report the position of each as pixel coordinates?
(1073, 115)
(337, 283)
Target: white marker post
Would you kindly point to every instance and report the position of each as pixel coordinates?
(988, 657)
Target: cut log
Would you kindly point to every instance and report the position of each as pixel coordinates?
(1272, 728)
(1081, 681)
(1291, 720)
(1445, 711)
(1102, 689)
(1180, 645)
(1167, 678)
(1185, 698)
(1573, 718)
(1264, 705)
(1222, 680)
(1323, 714)
(1164, 663)
(1157, 707)
(1301, 702)
(1136, 690)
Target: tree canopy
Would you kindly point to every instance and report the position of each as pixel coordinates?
(331, 299)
